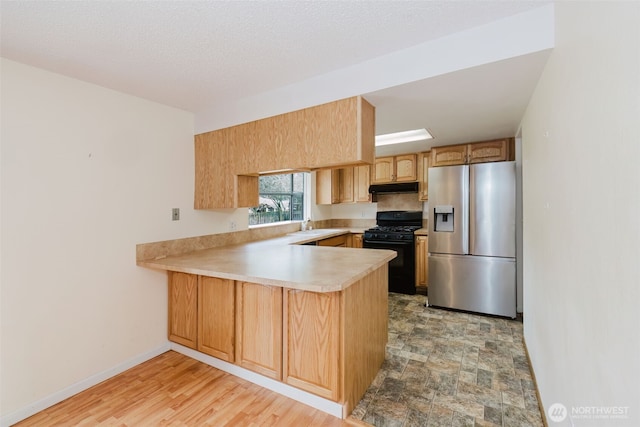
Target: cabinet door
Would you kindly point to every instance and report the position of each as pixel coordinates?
(449, 155)
(327, 186)
(489, 151)
(422, 273)
(405, 168)
(209, 148)
(334, 241)
(356, 241)
(383, 170)
(312, 342)
(423, 175)
(183, 308)
(216, 317)
(259, 328)
(361, 180)
(345, 185)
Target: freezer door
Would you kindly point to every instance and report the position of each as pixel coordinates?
(492, 209)
(480, 284)
(449, 190)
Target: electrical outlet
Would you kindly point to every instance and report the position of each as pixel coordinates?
(232, 225)
(175, 214)
(362, 214)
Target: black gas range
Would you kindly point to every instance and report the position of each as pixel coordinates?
(395, 231)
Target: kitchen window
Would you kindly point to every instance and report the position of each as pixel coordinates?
(282, 198)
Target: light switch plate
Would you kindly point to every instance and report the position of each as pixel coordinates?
(175, 214)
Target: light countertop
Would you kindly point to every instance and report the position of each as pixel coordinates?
(283, 261)
(422, 232)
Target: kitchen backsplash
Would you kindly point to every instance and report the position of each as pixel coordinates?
(399, 202)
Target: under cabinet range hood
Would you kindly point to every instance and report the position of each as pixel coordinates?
(398, 188)
(401, 187)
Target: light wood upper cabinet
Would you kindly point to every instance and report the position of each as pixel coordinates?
(422, 272)
(228, 161)
(338, 133)
(215, 185)
(394, 169)
(183, 309)
(344, 185)
(209, 149)
(216, 317)
(498, 150)
(259, 328)
(383, 170)
(327, 186)
(405, 168)
(361, 181)
(312, 342)
(489, 151)
(423, 175)
(449, 155)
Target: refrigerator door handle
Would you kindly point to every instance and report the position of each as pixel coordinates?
(472, 210)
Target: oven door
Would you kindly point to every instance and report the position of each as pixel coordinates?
(402, 269)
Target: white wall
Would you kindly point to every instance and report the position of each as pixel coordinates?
(581, 178)
(86, 174)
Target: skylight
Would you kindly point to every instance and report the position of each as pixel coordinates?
(405, 136)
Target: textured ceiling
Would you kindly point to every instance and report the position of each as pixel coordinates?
(190, 54)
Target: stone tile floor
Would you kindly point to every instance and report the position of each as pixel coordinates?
(448, 368)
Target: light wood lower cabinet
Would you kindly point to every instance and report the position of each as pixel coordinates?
(330, 344)
(216, 317)
(259, 328)
(356, 240)
(422, 272)
(337, 241)
(183, 309)
(311, 351)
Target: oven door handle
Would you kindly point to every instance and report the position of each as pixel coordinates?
(384, 244)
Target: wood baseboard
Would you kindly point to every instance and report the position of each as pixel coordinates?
(535, 384)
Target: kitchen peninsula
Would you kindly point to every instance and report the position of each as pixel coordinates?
(309, 318)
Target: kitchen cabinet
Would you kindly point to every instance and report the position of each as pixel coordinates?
(183, 309)
(311, 358)
(216, 317)
(423, 175)
(344, 185)
(422, 266)
(259, 328)
(337, 241)
(215, 185)
(361, 182)
(394, 169)
(327, 186)
(327, 342)
(228, 161)
(498, 150)
(356, 240)
(490, 151)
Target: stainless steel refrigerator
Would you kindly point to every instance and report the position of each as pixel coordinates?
(472, 238)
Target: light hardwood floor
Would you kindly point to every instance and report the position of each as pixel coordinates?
(173, 389)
